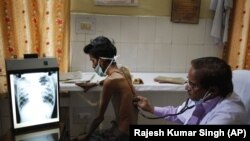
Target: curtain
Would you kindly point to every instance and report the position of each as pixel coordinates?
(237, 52)
(34, 26)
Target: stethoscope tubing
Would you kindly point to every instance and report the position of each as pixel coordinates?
(185, 108)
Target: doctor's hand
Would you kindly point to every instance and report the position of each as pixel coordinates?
(143, 103)
(86, 85)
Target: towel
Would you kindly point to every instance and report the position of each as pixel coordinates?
(219, 30)
(174, 80)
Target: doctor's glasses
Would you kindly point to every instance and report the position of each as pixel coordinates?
(191, 84)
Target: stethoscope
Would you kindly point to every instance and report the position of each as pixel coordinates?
(185, 108)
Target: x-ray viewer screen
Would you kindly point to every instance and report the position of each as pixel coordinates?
(34, 97)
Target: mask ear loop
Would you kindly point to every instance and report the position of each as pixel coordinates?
(114, 59)
(108, 66)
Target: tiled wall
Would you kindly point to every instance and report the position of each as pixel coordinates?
(145, 44)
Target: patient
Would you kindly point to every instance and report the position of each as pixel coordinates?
(117, 88)
(211, 98)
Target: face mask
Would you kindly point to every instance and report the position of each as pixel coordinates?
(98, 70)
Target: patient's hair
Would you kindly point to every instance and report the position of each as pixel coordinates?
(100, 47)
(214, 72)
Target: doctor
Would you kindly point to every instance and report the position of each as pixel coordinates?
(211, 98)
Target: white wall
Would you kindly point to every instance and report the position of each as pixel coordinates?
(145, 44)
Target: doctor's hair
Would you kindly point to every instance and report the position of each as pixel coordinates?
(101, 47)
(213, 72)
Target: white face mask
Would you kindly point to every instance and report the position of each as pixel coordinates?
(98, 68)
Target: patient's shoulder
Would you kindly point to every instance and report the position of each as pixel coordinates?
(126, 72)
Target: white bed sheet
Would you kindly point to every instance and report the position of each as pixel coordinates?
(148, 79)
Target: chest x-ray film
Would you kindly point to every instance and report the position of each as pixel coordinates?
(34, 92)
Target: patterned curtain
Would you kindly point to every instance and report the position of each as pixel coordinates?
(237, 53)
(34, 26)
